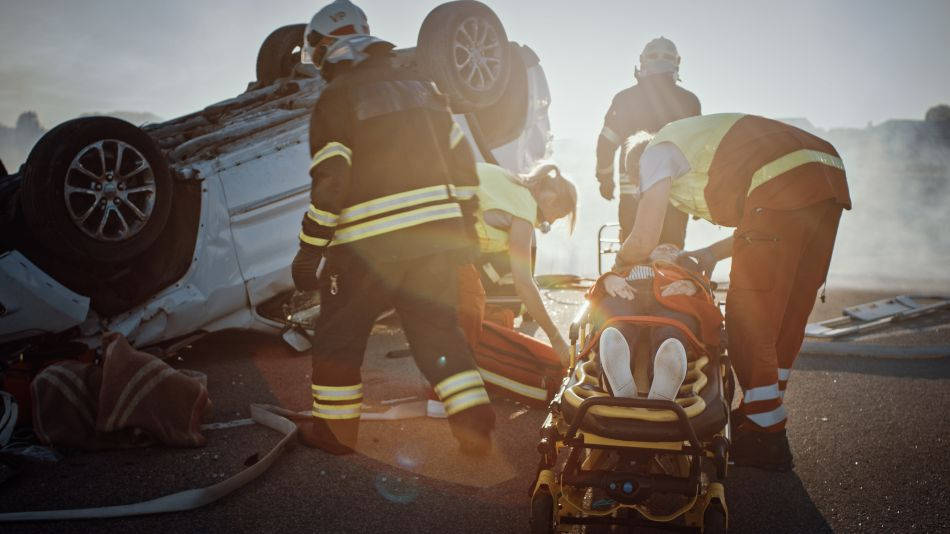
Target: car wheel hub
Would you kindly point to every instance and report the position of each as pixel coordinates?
(478, 53)
(109, 191)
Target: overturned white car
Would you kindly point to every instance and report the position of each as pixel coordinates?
(182, 228)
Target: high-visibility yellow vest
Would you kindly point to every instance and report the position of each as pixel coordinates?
(496, 191)
(698, 138)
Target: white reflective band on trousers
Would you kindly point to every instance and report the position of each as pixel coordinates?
(770, 418)
(458, 382)
(513, 385)
(337, 393)
(783, 374)
(465, 400)
(762, 393)
(336, 411)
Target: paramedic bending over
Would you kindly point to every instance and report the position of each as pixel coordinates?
(510, 207)
(783, 189)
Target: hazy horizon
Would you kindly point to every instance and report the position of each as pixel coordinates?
(840, 64)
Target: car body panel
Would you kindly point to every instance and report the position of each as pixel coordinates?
(251, 158)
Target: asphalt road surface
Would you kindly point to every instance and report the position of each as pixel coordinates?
(870, 438)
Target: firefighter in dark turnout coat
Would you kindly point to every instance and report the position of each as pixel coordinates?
(392, 207)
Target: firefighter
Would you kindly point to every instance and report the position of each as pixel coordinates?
(783, 189)
(510, 208)
(647, 106)
(392, 211)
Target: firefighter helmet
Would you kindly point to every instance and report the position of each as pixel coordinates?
(337, 19)
(659, 56)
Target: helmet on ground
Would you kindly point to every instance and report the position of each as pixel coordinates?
(659, 56)
(335, 20)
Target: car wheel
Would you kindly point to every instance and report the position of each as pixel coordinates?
(279, 53)
(96, 189)
(715, 519)
(463, 46)
(542, 513)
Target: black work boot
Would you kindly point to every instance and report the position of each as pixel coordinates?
(332, 436)
(764, 450)
(472, 428)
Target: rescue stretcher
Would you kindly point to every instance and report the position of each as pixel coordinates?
(635, 461)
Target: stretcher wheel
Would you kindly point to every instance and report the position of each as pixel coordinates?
(542, 513)
(714, 519)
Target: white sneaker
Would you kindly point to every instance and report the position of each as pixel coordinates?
(615, 363)
(669, 370)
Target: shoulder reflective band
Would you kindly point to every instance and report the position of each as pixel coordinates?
(463, 192)
(768, 419)
(336, 411)
(337, 393)
(324, 218)
(458, 382)
(609, 135)
(605, 171)
(315, 241)
(380, 205)
(513, 385)
(789, 162)
(455, 135)
(465, 400)
(395, 222)
(329, 150)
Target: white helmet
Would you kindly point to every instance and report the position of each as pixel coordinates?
(352, 48)
(339, 18)
(659, 56)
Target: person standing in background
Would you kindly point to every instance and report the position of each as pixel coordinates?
(653, 102)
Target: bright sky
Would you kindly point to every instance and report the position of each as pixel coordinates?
(841, 63)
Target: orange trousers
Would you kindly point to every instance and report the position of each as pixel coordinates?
(780, 260)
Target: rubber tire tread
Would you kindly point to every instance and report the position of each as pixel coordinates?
(435, 57)
(542, 513)
(41, 193)
(276, 59)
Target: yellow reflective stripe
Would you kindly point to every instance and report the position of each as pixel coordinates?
(456, 135)
(330, 150)
(324, 218)
(605, 170)
(393, 202)
(458, 382)
(463, 192)
(337, 393)
(315, 241)
(491, 273)
(513, 385)
(336, 411)
(396, 222)
(466, 400)
(789, 162)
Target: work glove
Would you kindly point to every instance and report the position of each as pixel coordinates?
(607, 189)
(704, 259)
(615, 286)
(304, 269)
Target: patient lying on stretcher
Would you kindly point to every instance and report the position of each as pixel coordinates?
(664, 289)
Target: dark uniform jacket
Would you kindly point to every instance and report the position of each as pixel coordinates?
(393, 177)
(647, 106)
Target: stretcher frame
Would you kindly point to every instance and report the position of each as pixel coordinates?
(554, 494)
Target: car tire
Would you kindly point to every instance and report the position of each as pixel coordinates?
(464, 48)
(279, 53)
(96, 190)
